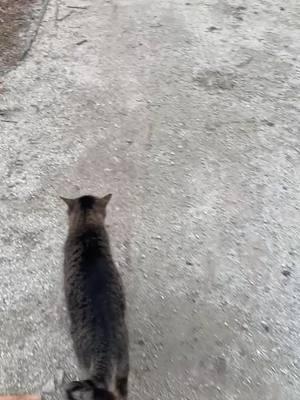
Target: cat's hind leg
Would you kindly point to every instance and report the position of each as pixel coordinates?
(122, 387)
(86, 390)
(103, 394)
(123, 372)
(80, 390)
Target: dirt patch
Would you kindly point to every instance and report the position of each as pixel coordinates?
(19, 20)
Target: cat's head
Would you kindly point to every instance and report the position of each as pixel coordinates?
(86, 209)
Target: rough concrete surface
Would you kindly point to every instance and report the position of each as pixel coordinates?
(188, 112)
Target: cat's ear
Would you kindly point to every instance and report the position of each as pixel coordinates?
(69, 202)
(105, 200)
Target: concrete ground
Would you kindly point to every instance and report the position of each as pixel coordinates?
(188, 112)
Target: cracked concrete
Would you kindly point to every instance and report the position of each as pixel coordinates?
(188, 112)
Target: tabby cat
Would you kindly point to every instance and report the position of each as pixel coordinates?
(96, 304)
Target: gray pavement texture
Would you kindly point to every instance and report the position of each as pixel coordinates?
(188, 112)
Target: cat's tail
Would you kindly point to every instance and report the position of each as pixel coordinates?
(78, 390)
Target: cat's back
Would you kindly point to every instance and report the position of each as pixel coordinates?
(89, 270)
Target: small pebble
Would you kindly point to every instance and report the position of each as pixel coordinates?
(245, 327)
(265, 326)
(269, 123)
(212, 29)
(49, 387)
